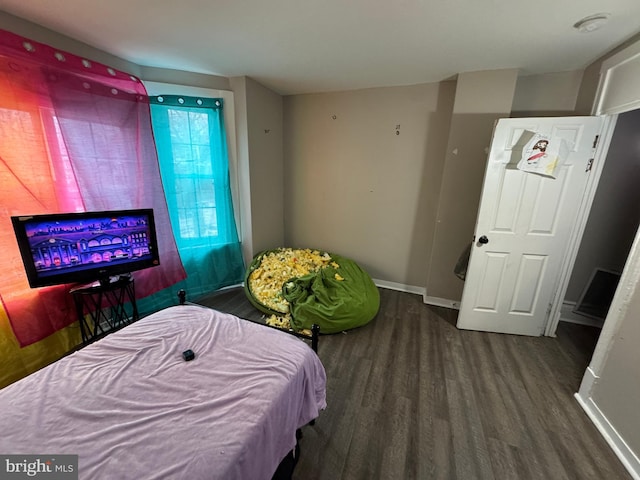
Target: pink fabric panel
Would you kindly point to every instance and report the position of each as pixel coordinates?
(89, 128)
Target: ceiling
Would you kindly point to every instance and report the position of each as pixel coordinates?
(303, 46)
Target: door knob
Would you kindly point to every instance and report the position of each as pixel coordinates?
(483, 239)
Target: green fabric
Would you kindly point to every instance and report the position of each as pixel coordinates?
(335, 305)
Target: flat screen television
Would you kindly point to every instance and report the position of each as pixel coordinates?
(85, 247)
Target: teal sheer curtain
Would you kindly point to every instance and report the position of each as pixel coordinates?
(192, 151)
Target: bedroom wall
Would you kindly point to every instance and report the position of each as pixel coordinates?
(489, 95)
(178, 77)
(41, 34)
(591, 77)
(617, 390)
(481, 98)
(331, 163)
(259, 116)
(362, 175)
(551, 94)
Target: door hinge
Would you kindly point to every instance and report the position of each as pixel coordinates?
(595, 141)
(589, 165)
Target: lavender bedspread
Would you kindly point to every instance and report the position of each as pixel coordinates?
(132, 408)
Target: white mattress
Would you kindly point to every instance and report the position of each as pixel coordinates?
(132, 408)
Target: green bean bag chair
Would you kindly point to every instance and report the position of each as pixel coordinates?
(336, 299)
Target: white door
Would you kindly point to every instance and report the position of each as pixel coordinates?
(526, 220)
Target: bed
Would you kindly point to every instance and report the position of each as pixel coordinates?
(132, 407)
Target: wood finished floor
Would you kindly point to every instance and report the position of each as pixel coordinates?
(412, 397)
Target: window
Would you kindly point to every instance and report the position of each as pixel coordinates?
(194, 163)
(194, 183)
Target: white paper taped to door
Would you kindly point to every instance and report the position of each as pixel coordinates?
(544, 155)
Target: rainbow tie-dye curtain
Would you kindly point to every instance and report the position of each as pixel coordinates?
(75, 135)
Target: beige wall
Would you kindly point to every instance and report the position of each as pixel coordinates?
(481, 98)
(355, 186)
(259, 114)
(245, 231)
(617, 391)
(265, 134)
(178, 77)
(551, 94)
(591, 77)
(43, 35)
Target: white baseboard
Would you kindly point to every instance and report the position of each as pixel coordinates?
(615, 441)
(441, 302)
(437, 301)
(567, 315)
(588, 381)
(400, 287)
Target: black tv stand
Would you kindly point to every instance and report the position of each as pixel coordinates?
(107, 281)
(105, 306)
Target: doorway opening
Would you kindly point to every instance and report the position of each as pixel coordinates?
(611, 227)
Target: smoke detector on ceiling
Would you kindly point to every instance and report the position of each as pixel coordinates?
(592, 22)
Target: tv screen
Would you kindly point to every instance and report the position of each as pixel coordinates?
(85, 247)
